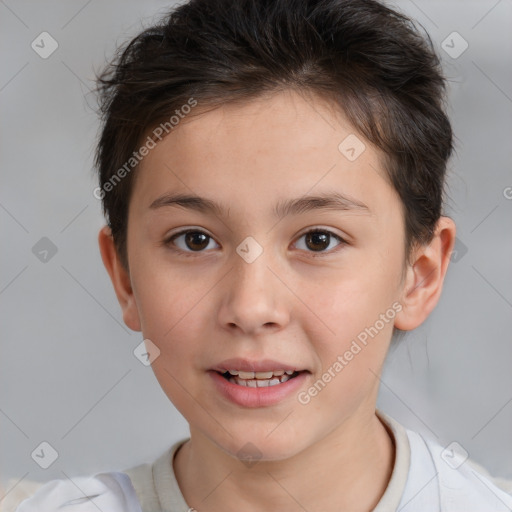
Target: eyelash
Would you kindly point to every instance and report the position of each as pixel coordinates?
(170, 241)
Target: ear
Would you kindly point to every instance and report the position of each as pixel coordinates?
(120, 279)
(425, 277)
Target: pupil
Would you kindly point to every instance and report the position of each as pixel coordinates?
(191, 237)
(317, 237)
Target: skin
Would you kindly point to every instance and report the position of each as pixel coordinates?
(333, 453)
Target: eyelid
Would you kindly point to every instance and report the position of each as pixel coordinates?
(320, 254)
(316, 227)
(169, 241)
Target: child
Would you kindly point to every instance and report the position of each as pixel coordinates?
(304, 142)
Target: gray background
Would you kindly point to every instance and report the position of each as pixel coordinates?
(68, 375)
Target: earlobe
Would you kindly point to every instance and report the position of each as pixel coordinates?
(120, 279)
(424, 281)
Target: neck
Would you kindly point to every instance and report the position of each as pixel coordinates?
(349, 469)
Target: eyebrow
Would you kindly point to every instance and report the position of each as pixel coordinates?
(327, 201)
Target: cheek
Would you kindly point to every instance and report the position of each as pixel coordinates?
(355, 296)
(357, 317)
(352, 356)
(169, 302)
(162, 290)
(171, 310)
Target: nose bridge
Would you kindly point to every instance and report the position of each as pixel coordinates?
(252, 274)
(254, 296)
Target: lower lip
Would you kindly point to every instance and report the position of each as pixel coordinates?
(257, 397)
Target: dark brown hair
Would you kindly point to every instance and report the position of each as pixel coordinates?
(368, 60)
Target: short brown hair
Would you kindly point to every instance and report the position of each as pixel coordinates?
(369, 60)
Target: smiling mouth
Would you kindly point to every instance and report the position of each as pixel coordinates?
(259, 379)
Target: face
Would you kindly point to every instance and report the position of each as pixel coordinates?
(249, 284)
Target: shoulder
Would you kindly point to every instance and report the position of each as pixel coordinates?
(462, 483)
(111, 491)
(155, 483)
(136, 489)
(15, 491)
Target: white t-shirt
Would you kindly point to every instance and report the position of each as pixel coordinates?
(426, 478)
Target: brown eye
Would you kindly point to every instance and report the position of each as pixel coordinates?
(193, 241)
(318, 240)
(196, 240)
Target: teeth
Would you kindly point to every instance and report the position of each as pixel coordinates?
(263, 375)
(259, 375)
(259, 383)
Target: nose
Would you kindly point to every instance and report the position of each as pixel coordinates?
(255, 297)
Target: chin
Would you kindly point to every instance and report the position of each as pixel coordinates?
(251, 449)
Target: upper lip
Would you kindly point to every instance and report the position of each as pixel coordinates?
(246, 365)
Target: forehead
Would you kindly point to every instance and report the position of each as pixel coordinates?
(278, 146)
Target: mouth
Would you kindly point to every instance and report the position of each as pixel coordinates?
(262, 388)
(255, 382)
(259, 379)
